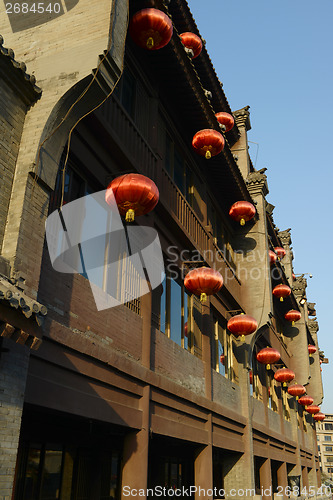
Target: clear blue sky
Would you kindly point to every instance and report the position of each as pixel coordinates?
(276, 56)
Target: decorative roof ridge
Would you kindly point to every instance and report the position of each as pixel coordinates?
(15, 297)
(20, 66)
(207, 61)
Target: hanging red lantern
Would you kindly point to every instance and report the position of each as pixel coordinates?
(272, 257)
(203, 281)
(305, 401)
(251, 376)
(296, 390)
(293, 316)
(185, 330)
(312, 409)
(193, 42)
(208, 142)
(225, 119)
(280, 251)
(281, 291)
(242, 211)
(294, 277)
(134, 194)
(284, 375)
(242, 325)
(319, 417)
(320, 361)
(151, 29)
(268, 356)
(222, 359)
(312, 349)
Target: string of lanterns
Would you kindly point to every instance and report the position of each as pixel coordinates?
(137, 195)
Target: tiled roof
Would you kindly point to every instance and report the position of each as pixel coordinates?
(16, 298)
(29, 81)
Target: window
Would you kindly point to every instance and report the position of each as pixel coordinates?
(222, 348)
(125, 92)
(328, 427)
(330, 470)
(221, 235)
(328, 448)
(70, 183)
(178, 169)
(50, 472)
(180, 316)
(327, 438)
(329, 459)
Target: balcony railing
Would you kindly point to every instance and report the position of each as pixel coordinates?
(123, 129)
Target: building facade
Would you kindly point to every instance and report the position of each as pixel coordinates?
(325, 445)
(156, 392)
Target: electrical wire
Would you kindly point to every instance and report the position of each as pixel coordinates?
(84, 116)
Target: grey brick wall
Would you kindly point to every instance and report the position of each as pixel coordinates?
(13, 374)
(12, 115)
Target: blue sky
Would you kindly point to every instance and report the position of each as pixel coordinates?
(277, 58)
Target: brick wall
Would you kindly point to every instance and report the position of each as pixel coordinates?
(12, 115)
(13, 371)
(70, 302)
(174, 362)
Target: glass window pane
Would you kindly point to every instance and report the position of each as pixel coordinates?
(32, 472)
(187, 322)
(178, 173)
(175, 311)
(163, 307)
(51, 477)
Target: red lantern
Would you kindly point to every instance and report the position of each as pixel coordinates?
(242, 211)
(251, 376)
(293, 316)
(225, 119)
(319, 417)
(208, 142)
(296, 390)
(242, 325)
(268, 356)
(280, 251)
(305, 400)
(281, 291)
(203, 281)
(193, 42)
(185, 330)
(284, 375)
(312, 349)
(272, 257)
(312, 409)
(135, 194)
(151, 29)
(222, 359)
(294, 277)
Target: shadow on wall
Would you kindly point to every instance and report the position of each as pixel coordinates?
(29, 14)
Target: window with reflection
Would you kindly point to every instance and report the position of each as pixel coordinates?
(178, 169)
(180, 315)
(222, 348)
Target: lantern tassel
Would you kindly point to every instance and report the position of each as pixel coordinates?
(150, 43)
(268, 366)
(243, 338)
(208, 155)
(284, 384)
(203, 297)
(297, 397)
(292, 323)
(242, 222)
(310, 355)
(129, 217)
(281, 299)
